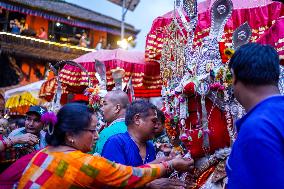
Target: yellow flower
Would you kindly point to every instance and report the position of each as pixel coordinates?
(229, 52)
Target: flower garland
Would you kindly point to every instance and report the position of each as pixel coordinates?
(171, 131)
(94, 98)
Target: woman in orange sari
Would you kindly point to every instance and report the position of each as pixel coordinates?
(65, 163)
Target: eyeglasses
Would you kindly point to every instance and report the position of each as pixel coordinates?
(93, 131)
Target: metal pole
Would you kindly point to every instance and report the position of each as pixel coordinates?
(123, 19)
(7, 23)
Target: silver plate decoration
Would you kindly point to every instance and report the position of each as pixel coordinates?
(221, 11)
(241, 35)
(190, 7)
(209, 52)
(203, 88)
(234, 109)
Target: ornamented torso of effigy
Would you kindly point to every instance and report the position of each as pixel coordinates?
(197, 85)
(195, 99)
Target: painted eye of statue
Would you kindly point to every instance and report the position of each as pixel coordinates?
(221, 9)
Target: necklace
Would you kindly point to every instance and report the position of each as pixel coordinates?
(147, 156)
(137, 143)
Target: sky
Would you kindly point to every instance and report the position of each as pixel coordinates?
(141, 18)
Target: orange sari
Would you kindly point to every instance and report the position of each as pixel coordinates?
(76, 169)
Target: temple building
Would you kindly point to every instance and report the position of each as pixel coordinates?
(34, 33)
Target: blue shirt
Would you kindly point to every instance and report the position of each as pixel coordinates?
(15, 30)
(122, 149)
(257, 157)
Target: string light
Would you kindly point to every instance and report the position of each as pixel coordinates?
(48, 42)
(123, 44)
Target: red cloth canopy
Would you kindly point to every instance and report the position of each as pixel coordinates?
(133, 62)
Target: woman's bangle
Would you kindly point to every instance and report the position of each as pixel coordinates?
(168, 165)
(171, 165)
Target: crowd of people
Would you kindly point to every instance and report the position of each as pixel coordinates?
(22, 28)
(67, 140)
(66, 150)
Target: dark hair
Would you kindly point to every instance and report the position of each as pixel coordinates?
(256, 64)
(42, 28)
(161, 116)
(72, 117)
(138, 107)
(19, 122)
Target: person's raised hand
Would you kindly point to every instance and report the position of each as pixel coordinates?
(161, 159)
(182, 164)
(27, 138)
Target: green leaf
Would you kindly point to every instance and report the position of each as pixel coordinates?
(189, 138)
(200, 133)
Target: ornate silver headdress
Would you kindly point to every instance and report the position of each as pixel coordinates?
(197, 59)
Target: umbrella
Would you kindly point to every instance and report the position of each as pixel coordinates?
(19, 100)
(20, 103)
(132, 62)
(32, 88)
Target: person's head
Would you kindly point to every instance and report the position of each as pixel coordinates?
(13, 124)
(160, 123)
(254, 65)
(141, 117)
(16, 123)
(3, 126)
(41, 29)
(33, 123)
(75, 127)
(114, 105)
(20, 122)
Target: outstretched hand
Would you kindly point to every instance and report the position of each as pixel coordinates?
(182, 164)
(166, 183)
